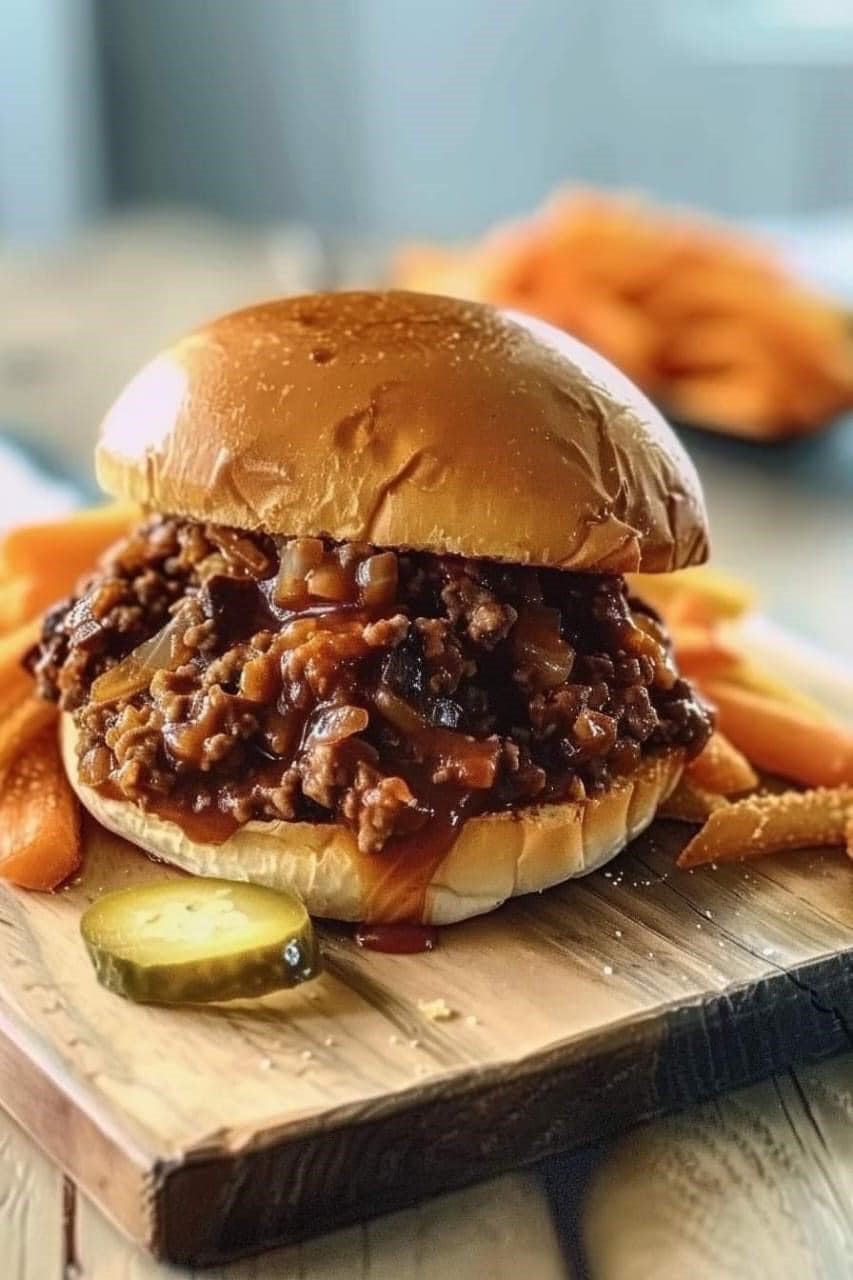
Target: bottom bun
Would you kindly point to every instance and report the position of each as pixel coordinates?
(494, 857)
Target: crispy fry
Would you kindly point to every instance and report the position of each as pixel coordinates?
(691, 803)
(40, 563)
(39, 816)
(30, 548)
(782, 738)
(15, 682)
(15, 644)
(721, 769)
(849, 835)
(26, 718)
(752, 677)
(15, 601)
(761, 824)
(701, 652)
(712, 596)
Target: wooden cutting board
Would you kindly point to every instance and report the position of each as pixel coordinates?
(206, 1133)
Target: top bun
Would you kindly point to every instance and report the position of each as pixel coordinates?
(407, 420)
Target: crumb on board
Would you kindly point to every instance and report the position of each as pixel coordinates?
(437, 1010)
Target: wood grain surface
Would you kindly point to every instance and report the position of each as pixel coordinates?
(755, 1184)
(206, 1132)
(49, 1230)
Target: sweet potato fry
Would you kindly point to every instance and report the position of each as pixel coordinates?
(23, 721)
(81, 536)
(749, 675)
(701, 652)
(40, 563)
(15, 601)
(15, 644)
(713, 596)
(15, 682)
(721, 769)
(781, 738)
(39, 817)
(761, 824)
(691, 803)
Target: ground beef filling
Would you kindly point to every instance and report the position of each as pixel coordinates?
(220, 673)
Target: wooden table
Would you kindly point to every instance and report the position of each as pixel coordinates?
(757, 1184)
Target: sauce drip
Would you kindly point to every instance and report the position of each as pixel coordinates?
(210, 826)
(395, 882)
(397, 939)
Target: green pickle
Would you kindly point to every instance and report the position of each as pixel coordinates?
(190, 940)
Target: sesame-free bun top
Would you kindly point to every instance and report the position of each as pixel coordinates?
(402, 419)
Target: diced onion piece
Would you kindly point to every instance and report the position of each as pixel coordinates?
(469, 762)
(377, 578)
(241, 550)
(298, 559)
(297, 632)
(647, 636)
(260, 679)
(331, 582)
(538, 647)
(400, 713)
(331, 724)
(595, 731)
(165, 651)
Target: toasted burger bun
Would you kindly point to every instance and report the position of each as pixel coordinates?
(402, 419)
(495, 857)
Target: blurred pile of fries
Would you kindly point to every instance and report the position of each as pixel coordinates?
(762, 722)
(699, 316)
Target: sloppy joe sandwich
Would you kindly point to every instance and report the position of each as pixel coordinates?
(371, 640)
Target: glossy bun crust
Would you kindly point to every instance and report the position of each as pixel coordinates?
(495, 857)
(402, 419)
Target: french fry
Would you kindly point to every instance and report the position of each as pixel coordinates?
(701, 652)
(721, 769)
(750, 676)
(714, 596)
(40, 843)
(15, 682)
(84, 535)
(849, 835)
(22, 722)
(781, 738)
(41, 563)
(15, 601)
(691, 803)
(762, 824)
(15, 644)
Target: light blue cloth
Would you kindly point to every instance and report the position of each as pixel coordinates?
(28, 493)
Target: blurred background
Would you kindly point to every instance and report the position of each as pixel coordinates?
(165, 160)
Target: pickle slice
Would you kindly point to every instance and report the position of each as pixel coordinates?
(184, 941)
